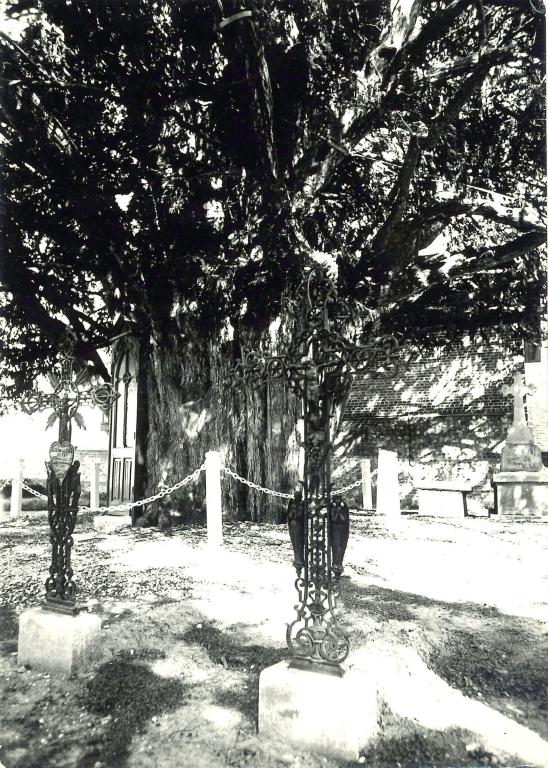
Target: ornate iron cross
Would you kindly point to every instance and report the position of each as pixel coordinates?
(71, 388)
(318, 366)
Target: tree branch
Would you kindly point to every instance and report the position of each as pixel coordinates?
(498, 257)
(383, 239)
(433, 220)
(245, 51)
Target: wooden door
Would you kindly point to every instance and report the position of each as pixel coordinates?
(123, 429)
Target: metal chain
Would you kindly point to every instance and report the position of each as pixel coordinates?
(279, 494)
(186, 481)
(347, 487)
(164, 492)
(233, 474)
(129, 504)
(31, 490)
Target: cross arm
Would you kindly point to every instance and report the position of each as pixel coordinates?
(102, 395)
(34, 401)
(361, 358)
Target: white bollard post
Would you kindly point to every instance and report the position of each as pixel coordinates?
(388, 489)
(95, 486)
(367, 500)
(17, 490)
(213, 499)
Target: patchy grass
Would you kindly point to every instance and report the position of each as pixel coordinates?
(128, 695)
(185, 637)
(223, 648)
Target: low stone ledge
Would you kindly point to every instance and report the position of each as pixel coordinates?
(111, 523)
(540, 477)
(443, 485)
(441, 498)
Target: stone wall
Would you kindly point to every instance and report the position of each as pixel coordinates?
(449, 447)
(87, 458)
(442, 412)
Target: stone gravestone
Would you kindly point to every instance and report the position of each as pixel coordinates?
(521, 487)
(388, 489)
(520, 454)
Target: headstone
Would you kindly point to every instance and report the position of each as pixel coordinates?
(520, 454)
(521, 487)
(367, 501)
(388, 490)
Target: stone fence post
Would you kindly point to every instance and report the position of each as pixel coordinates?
(367, 499)
(17, 490)
(213, 499)
(94, 485)
(388, 490)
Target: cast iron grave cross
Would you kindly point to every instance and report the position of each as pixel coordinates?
(71, 388)
(318, 367)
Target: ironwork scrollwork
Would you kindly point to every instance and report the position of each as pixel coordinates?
(71, 388)
(318, 367)
(63, 498)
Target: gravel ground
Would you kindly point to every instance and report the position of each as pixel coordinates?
(448, 617)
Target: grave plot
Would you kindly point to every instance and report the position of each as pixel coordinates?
(446, 617)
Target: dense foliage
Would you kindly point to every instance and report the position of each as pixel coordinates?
(177, 165)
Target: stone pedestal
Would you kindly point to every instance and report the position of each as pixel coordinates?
(443, 499)
(316, 711)
(522, 495)
(111, 523)
(520, 457)
(55, 642)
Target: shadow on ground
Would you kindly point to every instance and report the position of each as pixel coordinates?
(129, 693)
(407, 744)
(379, 600)
(505, 662)
(487, 655)
(252, 659)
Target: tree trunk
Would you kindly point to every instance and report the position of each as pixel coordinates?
(194, 406)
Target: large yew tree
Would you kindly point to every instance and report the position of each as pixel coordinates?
(177, 164)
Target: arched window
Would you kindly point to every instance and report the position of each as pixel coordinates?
(125, 373)
(124, 423)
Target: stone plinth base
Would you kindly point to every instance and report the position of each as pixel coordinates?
(317, 712)
(110, 523)
(55, 642)
(522, 495)
(443, 499)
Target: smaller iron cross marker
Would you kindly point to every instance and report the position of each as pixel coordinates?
(71, 388)
(69, 392)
